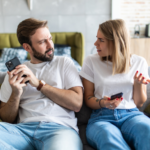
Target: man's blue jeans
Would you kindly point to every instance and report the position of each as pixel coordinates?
(118, 129)
(38, 136)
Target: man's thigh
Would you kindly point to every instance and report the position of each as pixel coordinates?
(63, 139)
(12, 138)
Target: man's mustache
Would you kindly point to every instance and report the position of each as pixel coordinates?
(49, 50)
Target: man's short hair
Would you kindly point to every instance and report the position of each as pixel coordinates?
(27, 28)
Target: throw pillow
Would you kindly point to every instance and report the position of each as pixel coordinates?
(9, 53)
(62, 50)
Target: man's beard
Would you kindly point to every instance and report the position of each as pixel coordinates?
(42, 57)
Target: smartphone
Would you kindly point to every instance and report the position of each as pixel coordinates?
(12, 64)
(118, 95)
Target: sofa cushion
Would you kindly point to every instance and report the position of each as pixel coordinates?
(83, 115)
(9, 53)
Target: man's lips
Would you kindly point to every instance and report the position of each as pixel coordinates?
(49, 52)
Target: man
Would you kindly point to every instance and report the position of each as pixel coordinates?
(46, 104)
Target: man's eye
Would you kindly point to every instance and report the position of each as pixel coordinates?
(42, 42)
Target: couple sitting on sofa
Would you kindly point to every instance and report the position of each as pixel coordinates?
(45, 106)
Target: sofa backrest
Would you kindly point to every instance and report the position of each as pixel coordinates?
(74, 39)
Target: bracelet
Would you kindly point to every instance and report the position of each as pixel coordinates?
(99, 102)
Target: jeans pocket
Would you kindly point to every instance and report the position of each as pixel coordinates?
(96, 113)
(133, 109)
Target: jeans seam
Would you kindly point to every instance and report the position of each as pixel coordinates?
(130, 135)
(38, 139)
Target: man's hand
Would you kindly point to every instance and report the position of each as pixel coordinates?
(140, 79)
(24, 70)
(16, 84)
(110, 104)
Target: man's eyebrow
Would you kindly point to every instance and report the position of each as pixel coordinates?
(44, 39)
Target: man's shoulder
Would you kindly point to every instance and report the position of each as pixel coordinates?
(62, 59)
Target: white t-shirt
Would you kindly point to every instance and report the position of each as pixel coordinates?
(35, 106)
(106, 84)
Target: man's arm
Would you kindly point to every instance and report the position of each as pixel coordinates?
(70, 99)
(9, 110)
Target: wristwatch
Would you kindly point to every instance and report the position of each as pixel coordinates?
(41, 84)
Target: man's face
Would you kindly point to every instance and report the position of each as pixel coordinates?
(42, 45)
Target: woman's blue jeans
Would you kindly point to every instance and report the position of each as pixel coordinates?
(118, 129)
(38, 136)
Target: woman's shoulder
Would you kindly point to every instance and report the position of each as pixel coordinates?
(137, 59)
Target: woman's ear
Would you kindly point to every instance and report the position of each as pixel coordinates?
(27, 47)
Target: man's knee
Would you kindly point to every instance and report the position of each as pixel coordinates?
(65, 140)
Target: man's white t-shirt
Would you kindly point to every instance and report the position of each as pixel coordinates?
(105, 84)
(35, 106)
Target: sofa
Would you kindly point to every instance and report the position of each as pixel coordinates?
(76, 41)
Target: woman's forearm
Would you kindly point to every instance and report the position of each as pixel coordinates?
(139, 94)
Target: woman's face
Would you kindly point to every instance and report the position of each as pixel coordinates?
(102, 45)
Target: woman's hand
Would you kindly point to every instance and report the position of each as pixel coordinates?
(110, 104)
(140, 79)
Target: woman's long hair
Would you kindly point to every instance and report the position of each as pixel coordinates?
(116, 33)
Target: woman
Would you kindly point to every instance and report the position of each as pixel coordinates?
(116, 124)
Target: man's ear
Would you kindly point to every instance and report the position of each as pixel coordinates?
(27, 47)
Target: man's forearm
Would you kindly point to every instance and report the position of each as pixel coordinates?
(9, 111)
(66, 98)
(139, 94)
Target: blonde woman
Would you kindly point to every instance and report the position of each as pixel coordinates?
(116, 124)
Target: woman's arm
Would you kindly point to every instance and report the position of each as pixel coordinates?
(95, 103)
(139, 89)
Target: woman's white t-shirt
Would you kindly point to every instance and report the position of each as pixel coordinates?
(105, 84)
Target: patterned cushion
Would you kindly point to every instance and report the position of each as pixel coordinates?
(9, 53)
(62, 50)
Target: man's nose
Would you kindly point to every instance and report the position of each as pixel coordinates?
(49, 44)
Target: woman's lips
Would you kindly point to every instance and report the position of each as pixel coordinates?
(98, 50)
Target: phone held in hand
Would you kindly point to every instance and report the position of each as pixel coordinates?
(118, 95)
(12, 64)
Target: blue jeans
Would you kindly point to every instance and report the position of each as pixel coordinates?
(118, 129)
(38, 136)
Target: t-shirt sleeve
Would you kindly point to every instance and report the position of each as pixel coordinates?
(71, 75)
(6, 90)
(144, 68)
(87, 70)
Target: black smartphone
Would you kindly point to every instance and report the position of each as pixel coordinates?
(118, 95)
(12, 64)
